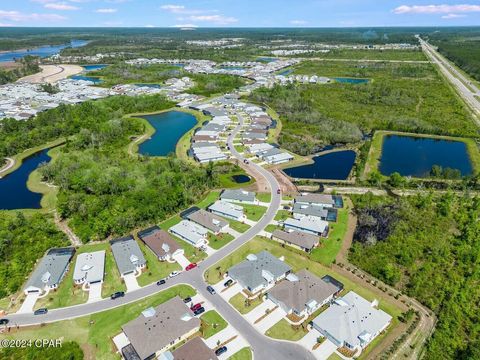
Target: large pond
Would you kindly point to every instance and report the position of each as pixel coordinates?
(169, 128)
(415, 156)
(42, 51)
(14, 193)
(332, 166)
(88, 68)
(351, 80)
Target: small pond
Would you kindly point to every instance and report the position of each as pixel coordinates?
(332, 166)
(169, 128)
(415, 156)
(153, 86)
(14, 193)
(241, 179)
(285, 72)
(351, 80)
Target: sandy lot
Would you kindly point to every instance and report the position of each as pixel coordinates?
(52, 73)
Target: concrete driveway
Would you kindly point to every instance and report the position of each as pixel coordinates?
(28, 304)
(232, 232)
(181, 260)
(95, 292)
(232, 347)
(324, 351)
(131, 282)
(270, 320)
(227, 294)
(259, 311)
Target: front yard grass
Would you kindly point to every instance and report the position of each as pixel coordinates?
(238, 226)
(327, 250)
(212, 323)
(220, 240)
(254, 212)
(284, 330)
(244, 354)
(271, 228)
(264, 197)
(282, 215)
(96, 331)
(239, 302)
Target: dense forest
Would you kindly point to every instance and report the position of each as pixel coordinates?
(465, 54)
(26, 66)
(428, 247)
(205, 84)
(403, 97)
(68, 351)
(89, 117)
(23, 239)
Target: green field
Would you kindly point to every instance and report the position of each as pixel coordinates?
(284, 330)
(244, 354)
(243, 305)
(212, 323)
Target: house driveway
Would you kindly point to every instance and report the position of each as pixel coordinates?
(270, 320)
(29, 303)
(259, 311)
(228, 293)
(232, 347)
(181, 260)
(131, 282)
(324, 351)
(232, 232)
(95, 292)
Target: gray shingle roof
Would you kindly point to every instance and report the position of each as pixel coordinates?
(127, 254)
(51, 268)
(90, 266)
(315, 199)
(311, 210)
(208, 220)
(170, 321)
(304, 240)
(249, 272)
(238, 195)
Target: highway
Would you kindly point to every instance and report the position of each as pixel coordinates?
(465, 88)
(262, 346)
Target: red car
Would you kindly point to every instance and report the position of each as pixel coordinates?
(196, 307)
(191, 266)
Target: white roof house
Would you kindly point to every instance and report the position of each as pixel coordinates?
(352, 321)
(239, 195)
(89, 268)
(227, 209)
(278, 158)
(190, 232)
(308, 224)
(256, 148)
(214, 155)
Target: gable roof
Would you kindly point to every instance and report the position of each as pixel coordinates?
(166, 323)
(90, 266)
(304, 240)
(238, 195)
(194, 349)
(250, 273)
(51, 268)
(297, 294)
(127, 254)
(208, 220)
(315, 199)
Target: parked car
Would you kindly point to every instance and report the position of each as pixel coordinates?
(245, 161)
(278, 191)
(221, 350)
(191, 266)
(196, 307)
(228, 283)
(161, 282)
(41, 311)
(4, 321)
(117, 295)
(187, 300)
(199, 311)
(211, 290)
(174, 273)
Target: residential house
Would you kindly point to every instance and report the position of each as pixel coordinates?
(194, 349)
(158, 329)
(352, 321)
(302, 294)
(240, 196)
(323, 200)
(259, 272)
(297, 239)
(213, 223)
(160, 243)
(324, 213)
(228, 210)
(190, 232)
(308, 224)
(128, 256)
(89, 268)
(50, 271)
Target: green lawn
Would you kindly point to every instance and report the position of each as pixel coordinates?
(334, 356)
(329, 247)
(209, 199)
(226, 180)
(244, 354)
(212, 323)
(253, 212)
(297, 261)
(156, 269)
(191, 252)
(239, 302)
(238, 226)
(113, 282)
(95, 331)
(264, 197)
(282, 215)
(220, 240)
(271, 228)
(284, 330)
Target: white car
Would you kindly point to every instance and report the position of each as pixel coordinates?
(174, 273)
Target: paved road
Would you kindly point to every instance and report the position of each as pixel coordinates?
(262, 346)
(467, 90)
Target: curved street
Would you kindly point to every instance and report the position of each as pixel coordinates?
(262, 346)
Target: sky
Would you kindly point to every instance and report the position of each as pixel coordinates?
(238, 13)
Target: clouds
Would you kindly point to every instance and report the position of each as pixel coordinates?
(61, 6)
(106, 11)
(19, 17)
(298, 22)
(193, 16)
(451, 11)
